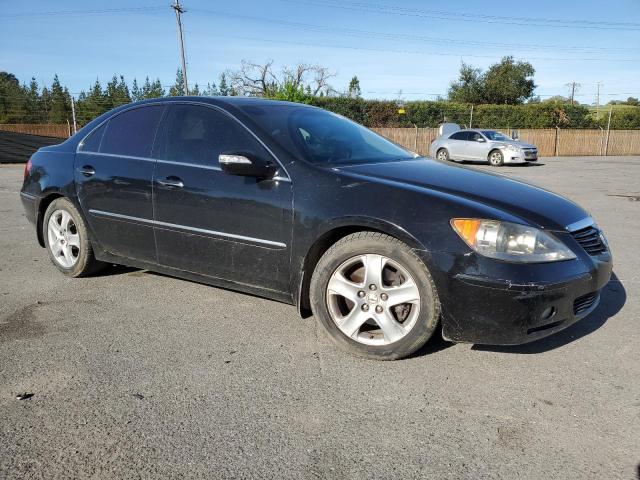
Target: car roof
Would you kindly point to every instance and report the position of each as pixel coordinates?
(222, 101)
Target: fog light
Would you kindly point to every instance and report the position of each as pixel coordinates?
(548, 313)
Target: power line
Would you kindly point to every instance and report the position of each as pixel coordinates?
(101, 11)
(405, 36)
(474, 17)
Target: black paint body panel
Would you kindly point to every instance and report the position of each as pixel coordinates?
(254, 235)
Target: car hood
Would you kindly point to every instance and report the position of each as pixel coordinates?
(533, 204)
(516, 143)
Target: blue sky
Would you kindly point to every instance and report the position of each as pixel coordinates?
(409, 45)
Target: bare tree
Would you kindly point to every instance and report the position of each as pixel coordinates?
(254, 79)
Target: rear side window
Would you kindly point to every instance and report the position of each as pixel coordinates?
(459, 136)
(198, 134)
(92, 142)
(132, 133)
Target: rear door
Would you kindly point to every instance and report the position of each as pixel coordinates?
(211, 223)
(113, 173)
(457, 146)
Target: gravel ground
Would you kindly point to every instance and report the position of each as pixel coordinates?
(140, 375)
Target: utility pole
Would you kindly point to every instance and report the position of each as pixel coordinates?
(598, 100)
(471, 118)
(179, 11)
(73, 115)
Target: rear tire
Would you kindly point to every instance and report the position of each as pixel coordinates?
(496, 158)
(382, 313)
(67, 240)
(443, 155)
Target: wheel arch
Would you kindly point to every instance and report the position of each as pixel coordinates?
(42, 208)
(494, 149)
(334, 232)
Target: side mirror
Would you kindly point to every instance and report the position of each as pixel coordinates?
(245, 164)
(480, 140)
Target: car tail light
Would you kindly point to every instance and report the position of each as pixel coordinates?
(27, 169)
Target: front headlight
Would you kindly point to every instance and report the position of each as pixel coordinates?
(510, 241)
(513, 148)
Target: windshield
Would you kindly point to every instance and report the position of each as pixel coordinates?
(493, 135)
(322, 137)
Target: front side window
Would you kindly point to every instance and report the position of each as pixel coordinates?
(199, 134)
(322, 137)
(132, 133)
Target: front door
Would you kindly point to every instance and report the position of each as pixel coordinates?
(208, 222)
(476, 147)
(113, 173)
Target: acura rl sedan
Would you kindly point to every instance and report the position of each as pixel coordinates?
(303, 206)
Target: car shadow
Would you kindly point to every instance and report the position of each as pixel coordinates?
(612, 299)
(112, 270)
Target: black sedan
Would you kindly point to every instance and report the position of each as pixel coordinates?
(300, 205)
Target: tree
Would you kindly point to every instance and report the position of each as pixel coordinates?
(224, 89)
(211, 90)
(507, 82)
(12, 99)
(136, 91)
(117, 92)
(633, 101)
(152, 89)
(353, 90)
(262, 80)
(177, 88)
(60, 110)
(469, 87)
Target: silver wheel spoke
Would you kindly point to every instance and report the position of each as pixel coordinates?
(66, 251)
(65, 220)
(351, 324)
(406, 293)
(74, 240)
(54, 228)
(390, 327)
(373, 265)
(339, 285)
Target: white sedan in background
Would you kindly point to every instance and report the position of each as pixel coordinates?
(481, 146)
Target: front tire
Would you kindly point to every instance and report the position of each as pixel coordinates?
(67, 240)
(443, 155)
(496, 158)
(374, 296)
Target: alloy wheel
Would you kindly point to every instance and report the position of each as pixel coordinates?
(64, 239)
(373, 299)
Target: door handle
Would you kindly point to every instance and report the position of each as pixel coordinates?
(87, 170)
(171, 182)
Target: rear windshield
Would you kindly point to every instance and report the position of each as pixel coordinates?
(322, 137)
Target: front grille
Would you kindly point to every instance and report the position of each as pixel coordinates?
(531, 152)
(584, 303)
(589, 239)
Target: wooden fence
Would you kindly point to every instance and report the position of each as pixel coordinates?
(41, 129)
(550, 142)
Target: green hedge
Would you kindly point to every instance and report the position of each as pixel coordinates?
(384, 113)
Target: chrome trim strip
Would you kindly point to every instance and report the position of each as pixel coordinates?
(147, 159)
(580, 224)
(194, 165)
(28, 195)
(185, 227)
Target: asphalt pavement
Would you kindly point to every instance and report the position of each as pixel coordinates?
(131, 374)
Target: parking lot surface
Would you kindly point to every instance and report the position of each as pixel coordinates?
(139, 375)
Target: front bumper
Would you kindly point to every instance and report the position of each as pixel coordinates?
(535, 302)
(518, 156)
